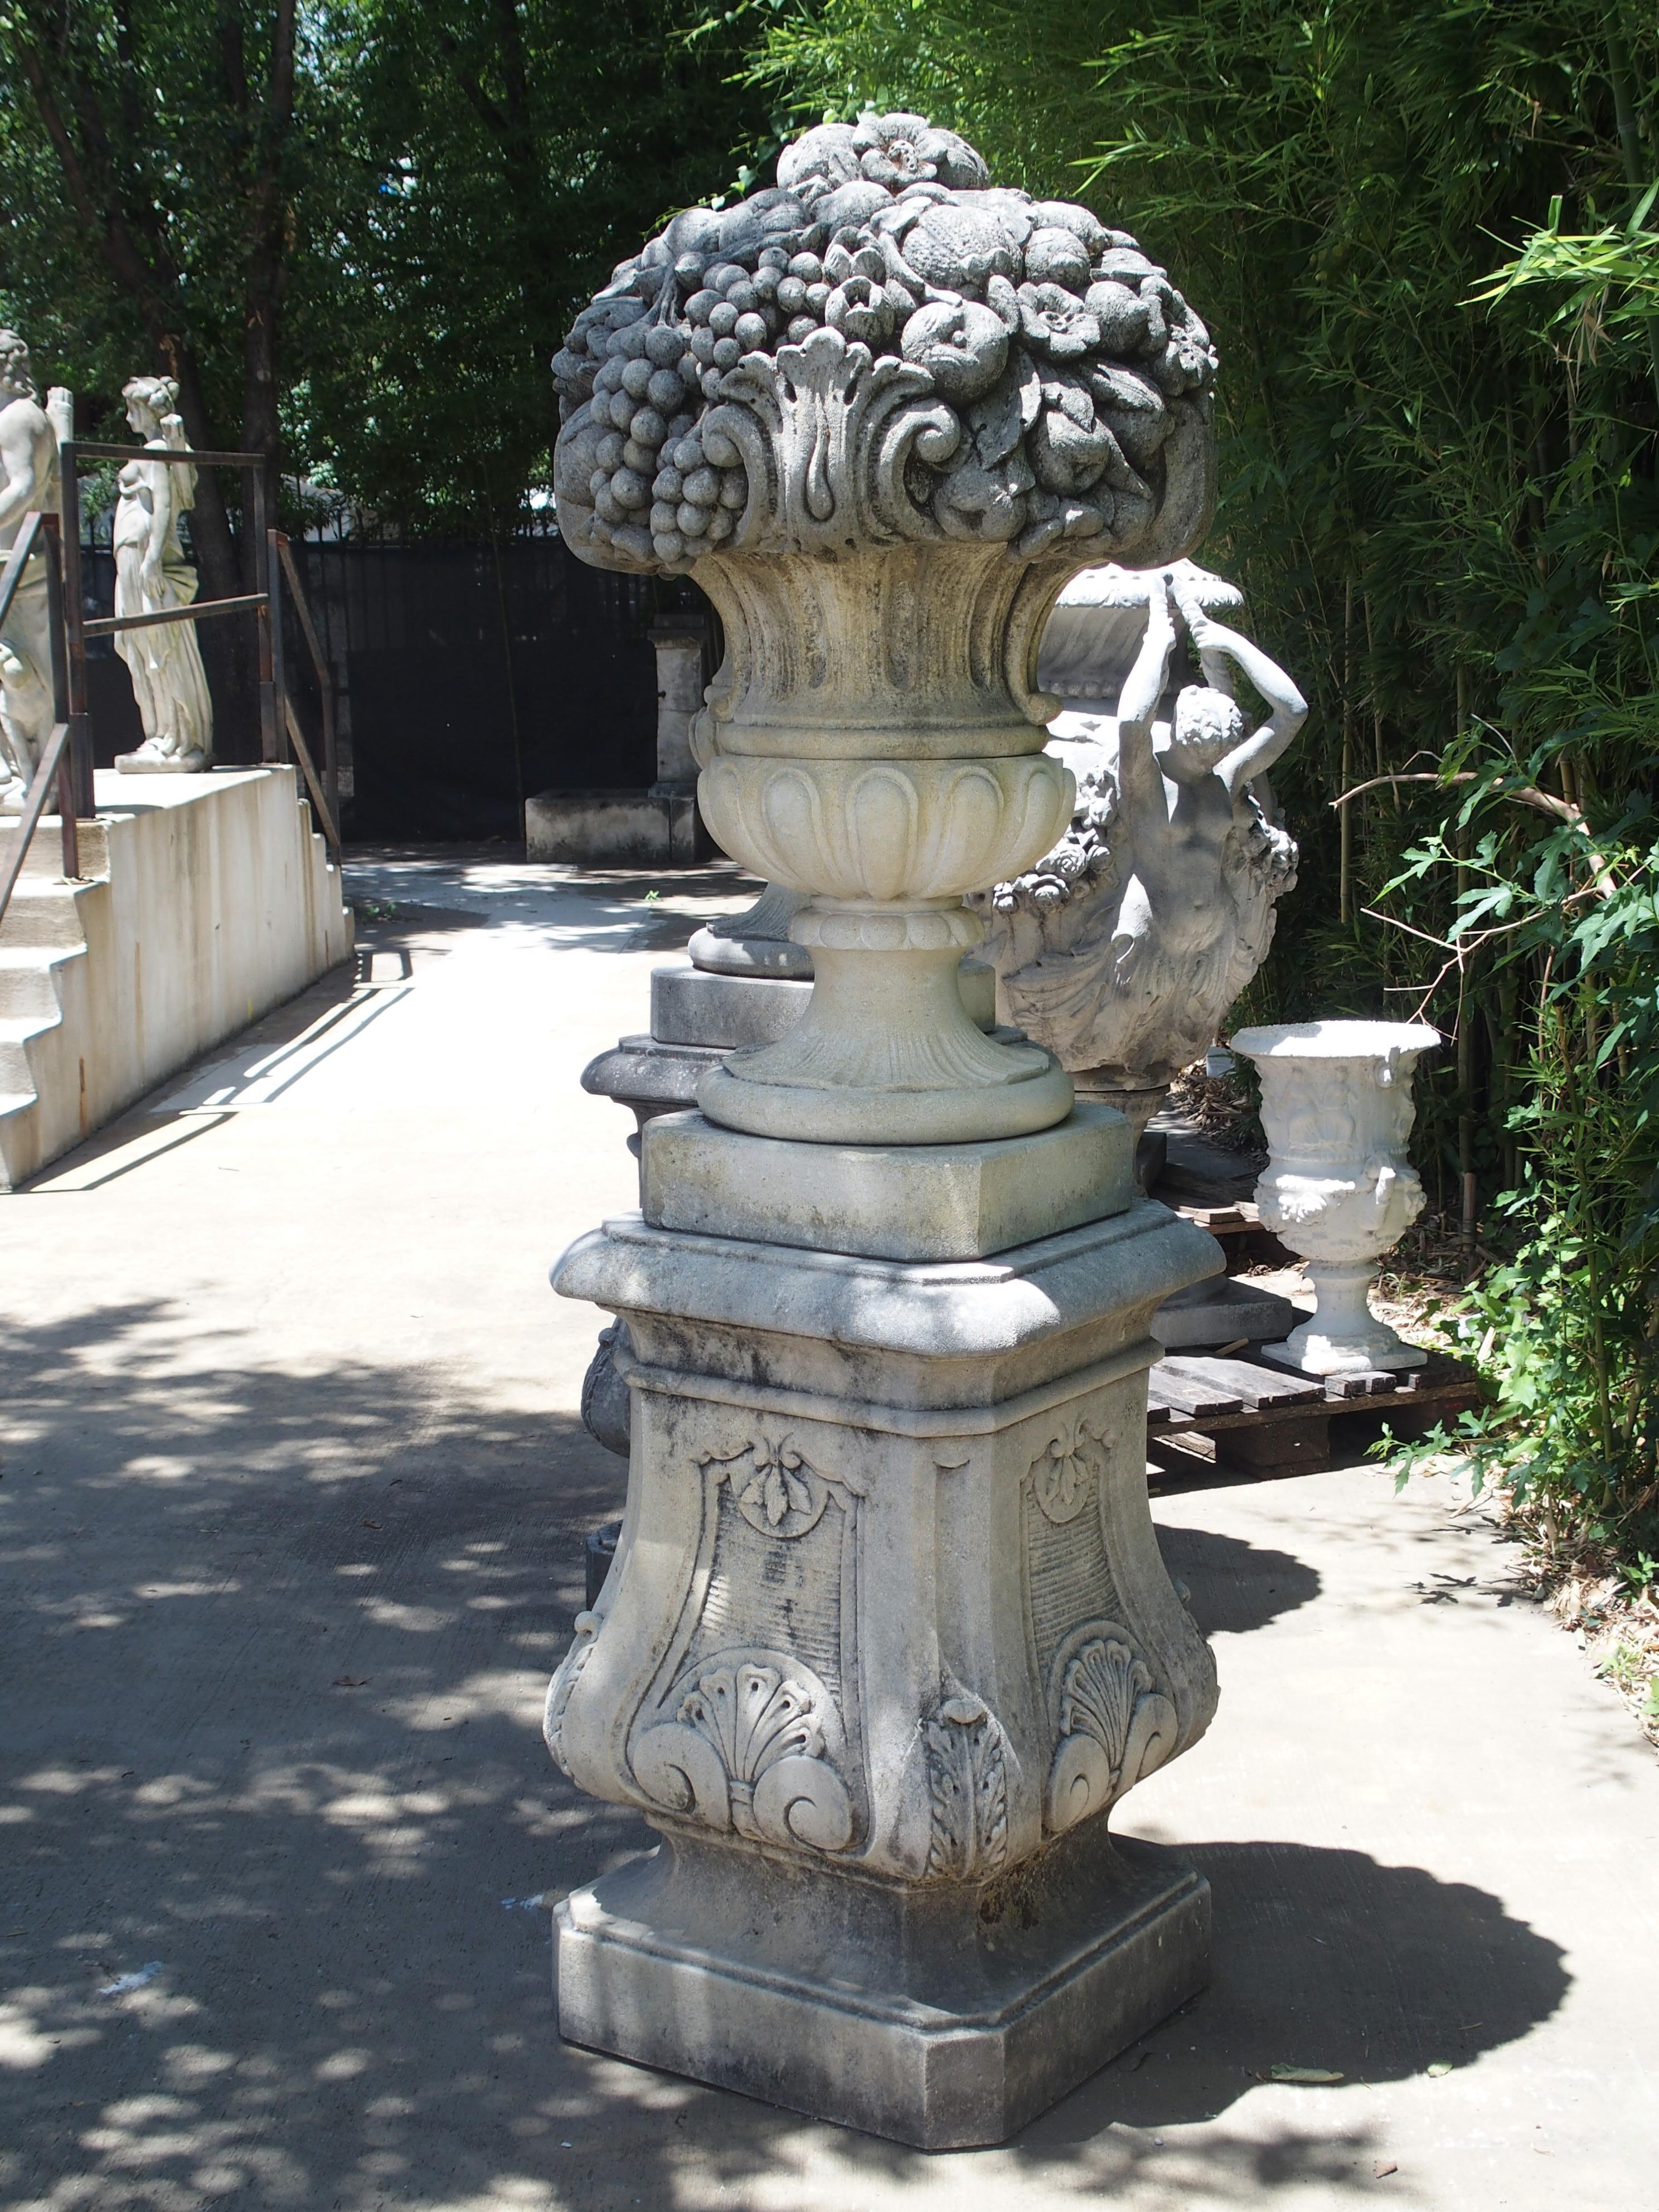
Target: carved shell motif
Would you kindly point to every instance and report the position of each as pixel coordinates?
(901, 353)
(1115, 1727)
(746, 1753)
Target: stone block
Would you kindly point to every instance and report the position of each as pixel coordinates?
(692, 1005)
(688, 1007)
(659, 828)
(1221, 1312)
(896, 1202)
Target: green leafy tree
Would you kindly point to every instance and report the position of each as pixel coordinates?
(154, 159)
(516, 149)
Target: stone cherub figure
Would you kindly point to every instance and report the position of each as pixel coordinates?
(151, 574)
(1123, 948)
(28, 455)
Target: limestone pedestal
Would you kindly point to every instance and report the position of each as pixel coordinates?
(887, 1630)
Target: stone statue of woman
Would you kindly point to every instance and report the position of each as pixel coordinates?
(151, 574)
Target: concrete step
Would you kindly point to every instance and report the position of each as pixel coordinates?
(28, 979)
(41, 914)
(43, 862)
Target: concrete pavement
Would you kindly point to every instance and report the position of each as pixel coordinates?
(293, 1493)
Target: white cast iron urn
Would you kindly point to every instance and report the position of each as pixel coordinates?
(1337, 1108)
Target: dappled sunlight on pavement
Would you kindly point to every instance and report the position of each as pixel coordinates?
(292, 1505)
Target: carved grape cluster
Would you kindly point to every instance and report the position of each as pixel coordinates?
(1062, 352)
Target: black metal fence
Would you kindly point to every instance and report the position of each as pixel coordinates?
(466, 677)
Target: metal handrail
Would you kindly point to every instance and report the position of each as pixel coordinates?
(52, 769)
(283, 565)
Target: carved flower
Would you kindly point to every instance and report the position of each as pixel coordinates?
(859, 309)
(776, 1489)
(820, 160)
(901, 149)
(1057, 323)
(962, 345)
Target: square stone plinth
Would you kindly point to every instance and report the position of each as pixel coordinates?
(896, 1202)
(944, 2015)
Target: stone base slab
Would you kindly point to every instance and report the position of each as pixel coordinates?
(897, 1202)
(945, 2017)
(1221, 1312)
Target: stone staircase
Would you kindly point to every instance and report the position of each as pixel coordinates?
(204, 901)
(43, 946)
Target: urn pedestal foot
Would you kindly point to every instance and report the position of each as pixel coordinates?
(944, 2016)
(1342, 1335)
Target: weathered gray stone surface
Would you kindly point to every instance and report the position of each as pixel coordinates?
(945, 2018)
(899, 1201)
(886, 1626)
(1220, 1311)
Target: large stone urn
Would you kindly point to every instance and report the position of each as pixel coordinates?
(887, 1632)
(1337, 1108)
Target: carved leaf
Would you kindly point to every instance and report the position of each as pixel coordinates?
(967, 1788)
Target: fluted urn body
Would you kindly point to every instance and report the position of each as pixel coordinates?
(1337, 1109)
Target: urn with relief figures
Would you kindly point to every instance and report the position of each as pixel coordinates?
(1337, 1108)
(887, 1632)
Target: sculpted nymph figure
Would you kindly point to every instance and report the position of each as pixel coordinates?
(28, 456)
(1123, 949)
(151, 574)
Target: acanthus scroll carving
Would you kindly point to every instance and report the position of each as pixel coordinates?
(748, 1753)
(967, 1787)
(562, 1686)
(1114, 1725)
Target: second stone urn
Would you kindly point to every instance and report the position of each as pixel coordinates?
(887, 1632)
(1337, 1108)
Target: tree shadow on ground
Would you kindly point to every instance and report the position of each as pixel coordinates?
(283, 1836)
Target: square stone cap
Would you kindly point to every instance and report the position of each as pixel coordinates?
(948, 1309)
(916, 1202)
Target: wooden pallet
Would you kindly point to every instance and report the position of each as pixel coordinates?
(1245, 1416)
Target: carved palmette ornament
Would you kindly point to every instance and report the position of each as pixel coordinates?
(745, 1753)
(1064, 1474)
(1115, 1726)
(883, 348)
